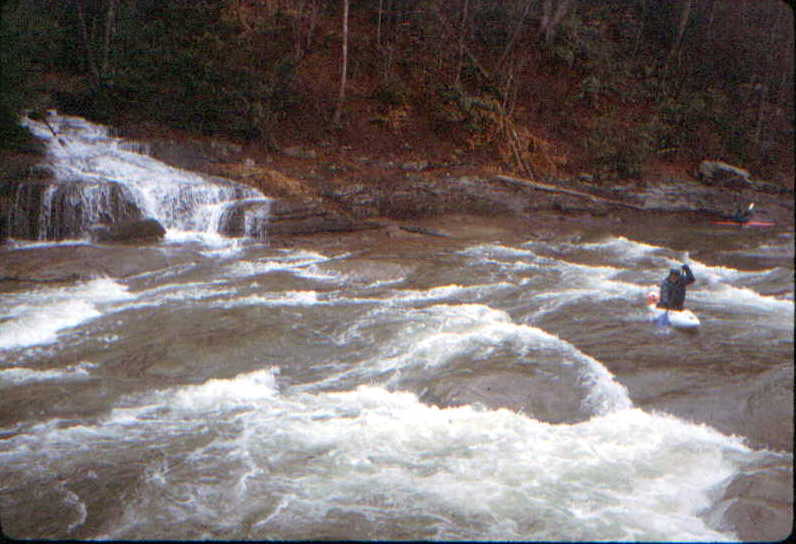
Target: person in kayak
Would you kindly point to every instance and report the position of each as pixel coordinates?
(743, 215)
(672, 290)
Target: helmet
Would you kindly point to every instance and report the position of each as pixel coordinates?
(674, 272)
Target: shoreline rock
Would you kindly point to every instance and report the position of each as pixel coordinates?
(143, 230)
(403, 189)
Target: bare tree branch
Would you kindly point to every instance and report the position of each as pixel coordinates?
(338, 112)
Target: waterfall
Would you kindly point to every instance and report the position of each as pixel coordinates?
(100, 178)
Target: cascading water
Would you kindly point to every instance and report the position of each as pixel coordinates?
(103, 179)
(494, 385)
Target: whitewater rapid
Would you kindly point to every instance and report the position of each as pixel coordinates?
(480, 390)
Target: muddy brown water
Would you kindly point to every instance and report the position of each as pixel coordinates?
(503, 383)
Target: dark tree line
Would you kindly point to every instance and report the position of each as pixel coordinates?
(714, 72)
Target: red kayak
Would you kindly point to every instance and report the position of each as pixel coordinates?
(746, 223)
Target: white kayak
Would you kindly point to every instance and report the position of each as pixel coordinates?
(681, 319)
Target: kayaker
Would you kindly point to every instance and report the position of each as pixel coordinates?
(741, 215)
(672, 291)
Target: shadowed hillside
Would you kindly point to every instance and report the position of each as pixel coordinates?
(619, 89)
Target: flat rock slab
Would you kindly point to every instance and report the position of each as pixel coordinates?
(81, 262)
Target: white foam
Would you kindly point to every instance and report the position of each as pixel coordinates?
(743, 299)
(208, 239)
(438, 335)
(22, 245)
(298, 262)
(19, 375)
(277, 298)
(40, 316)
(41, 325)
(622, 247)
(182, 292)
(719, 274)
(499, 250)
(443, 292)
(187, 204)
(243, 389)
(386, 457)
(384, 452)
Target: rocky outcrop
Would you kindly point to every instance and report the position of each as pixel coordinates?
(191, 154)
(300, 152)
(65, 263)
(759, 505)
(109, 211)
(308, 217)
(133, 231)
(49, 210)
(415, 196)
(249, 217)
(722, 174)
(673, 195)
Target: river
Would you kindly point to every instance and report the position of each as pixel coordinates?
(495, 385)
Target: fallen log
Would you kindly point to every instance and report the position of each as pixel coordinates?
(423, 230)
(519, 182)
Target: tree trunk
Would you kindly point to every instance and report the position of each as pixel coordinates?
(92, 65)
(106, 45)
(553, 12)
(378, 25)
(640, 32)
(711, 18)
(547, 15)
(451, 30)
(515, 34)
(763, 91)
(685, 15)
(462, 35)
(338, 112)
(520, 182)
(561, 12)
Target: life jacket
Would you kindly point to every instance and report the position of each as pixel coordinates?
(673, 290)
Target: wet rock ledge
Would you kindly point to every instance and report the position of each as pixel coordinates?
(321, 195)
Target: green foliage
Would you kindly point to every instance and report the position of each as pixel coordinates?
(223, 66)
(221, 82)
(392, 92)
(182, 63)
(590, 89)
(12, 90)
(685, 122)
(203, 77)
(12, 136)
(494, 22)
(585, 45)
(618, 149)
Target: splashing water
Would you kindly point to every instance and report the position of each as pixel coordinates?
(102, 179)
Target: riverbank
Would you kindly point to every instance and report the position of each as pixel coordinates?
(360, 185)
(562, 263)
(359, 178)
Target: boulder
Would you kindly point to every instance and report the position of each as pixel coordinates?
(192, 154)
(248, 217)
(299, 152)
(722, 174)
(414, 166)
(141, 230)
(49, 210)
(757, 505)
(65, 263)
(308, 217)
(409, 196)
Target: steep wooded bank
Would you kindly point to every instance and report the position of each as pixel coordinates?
(617, 88)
